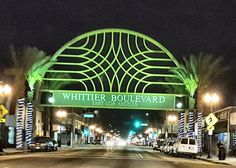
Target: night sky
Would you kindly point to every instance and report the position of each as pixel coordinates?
(183, 27)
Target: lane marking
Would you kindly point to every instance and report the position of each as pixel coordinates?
(109, 152)
(140, 155)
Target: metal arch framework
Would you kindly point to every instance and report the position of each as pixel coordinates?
(114, 61)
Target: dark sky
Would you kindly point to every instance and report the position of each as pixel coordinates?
(183, 27)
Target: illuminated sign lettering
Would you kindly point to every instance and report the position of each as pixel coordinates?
(114, 100)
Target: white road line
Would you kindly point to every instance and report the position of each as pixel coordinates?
(140, 155)
(109, 153)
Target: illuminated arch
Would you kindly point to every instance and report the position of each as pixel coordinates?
(114, 60)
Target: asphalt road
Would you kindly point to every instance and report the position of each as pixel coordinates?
(102, 157)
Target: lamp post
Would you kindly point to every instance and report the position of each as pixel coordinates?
(92, 130)
(172, 119)
(211, 100)
(5, 90)
(61, 114)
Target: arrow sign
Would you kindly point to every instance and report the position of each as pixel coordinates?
(211, 119)
(3, 111)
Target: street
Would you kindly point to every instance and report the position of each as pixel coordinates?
(102, 157)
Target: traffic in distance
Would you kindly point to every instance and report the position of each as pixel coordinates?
(179, 147)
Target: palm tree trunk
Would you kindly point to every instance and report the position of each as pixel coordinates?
(199, 101)
(35, 105)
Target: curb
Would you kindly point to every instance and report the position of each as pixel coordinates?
(213, 161)
(12, 153)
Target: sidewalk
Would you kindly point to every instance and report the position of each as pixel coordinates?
(230, 160)
(9, 151)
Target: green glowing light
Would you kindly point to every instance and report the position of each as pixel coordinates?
(51, 100)
(115, 60)
(37, 71)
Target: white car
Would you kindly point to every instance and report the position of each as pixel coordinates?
(185, 146)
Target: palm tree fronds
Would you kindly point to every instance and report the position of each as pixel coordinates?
(37, 71)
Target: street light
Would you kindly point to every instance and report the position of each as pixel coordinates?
(210, 100)
(92, 127)
(172, 119)
(61, 114)
(5, 90)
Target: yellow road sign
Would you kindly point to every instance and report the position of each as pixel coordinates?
(2, 120)
(211, 119)
(210, 128)
(3, 111)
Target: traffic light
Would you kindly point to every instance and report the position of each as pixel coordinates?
(131, 133)
(137, 124)
(47, 98)
(180, 102)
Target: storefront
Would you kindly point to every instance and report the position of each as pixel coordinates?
(225, 128)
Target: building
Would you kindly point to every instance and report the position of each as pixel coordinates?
(225, 128)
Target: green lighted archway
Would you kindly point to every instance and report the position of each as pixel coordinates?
(112, 61)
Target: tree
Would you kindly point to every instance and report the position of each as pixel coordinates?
(35, 75)
(208, 68)
(197, 73)
(187, 74)
(22, 60)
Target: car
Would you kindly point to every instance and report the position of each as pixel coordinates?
(185, 146)
(43, 143)
(157, 145)
(163, 147)
(169, 147)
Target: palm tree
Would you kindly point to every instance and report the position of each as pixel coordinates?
(35, 75)
(197, 73)
(187, 75)
(208, 68)
(22, 60)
